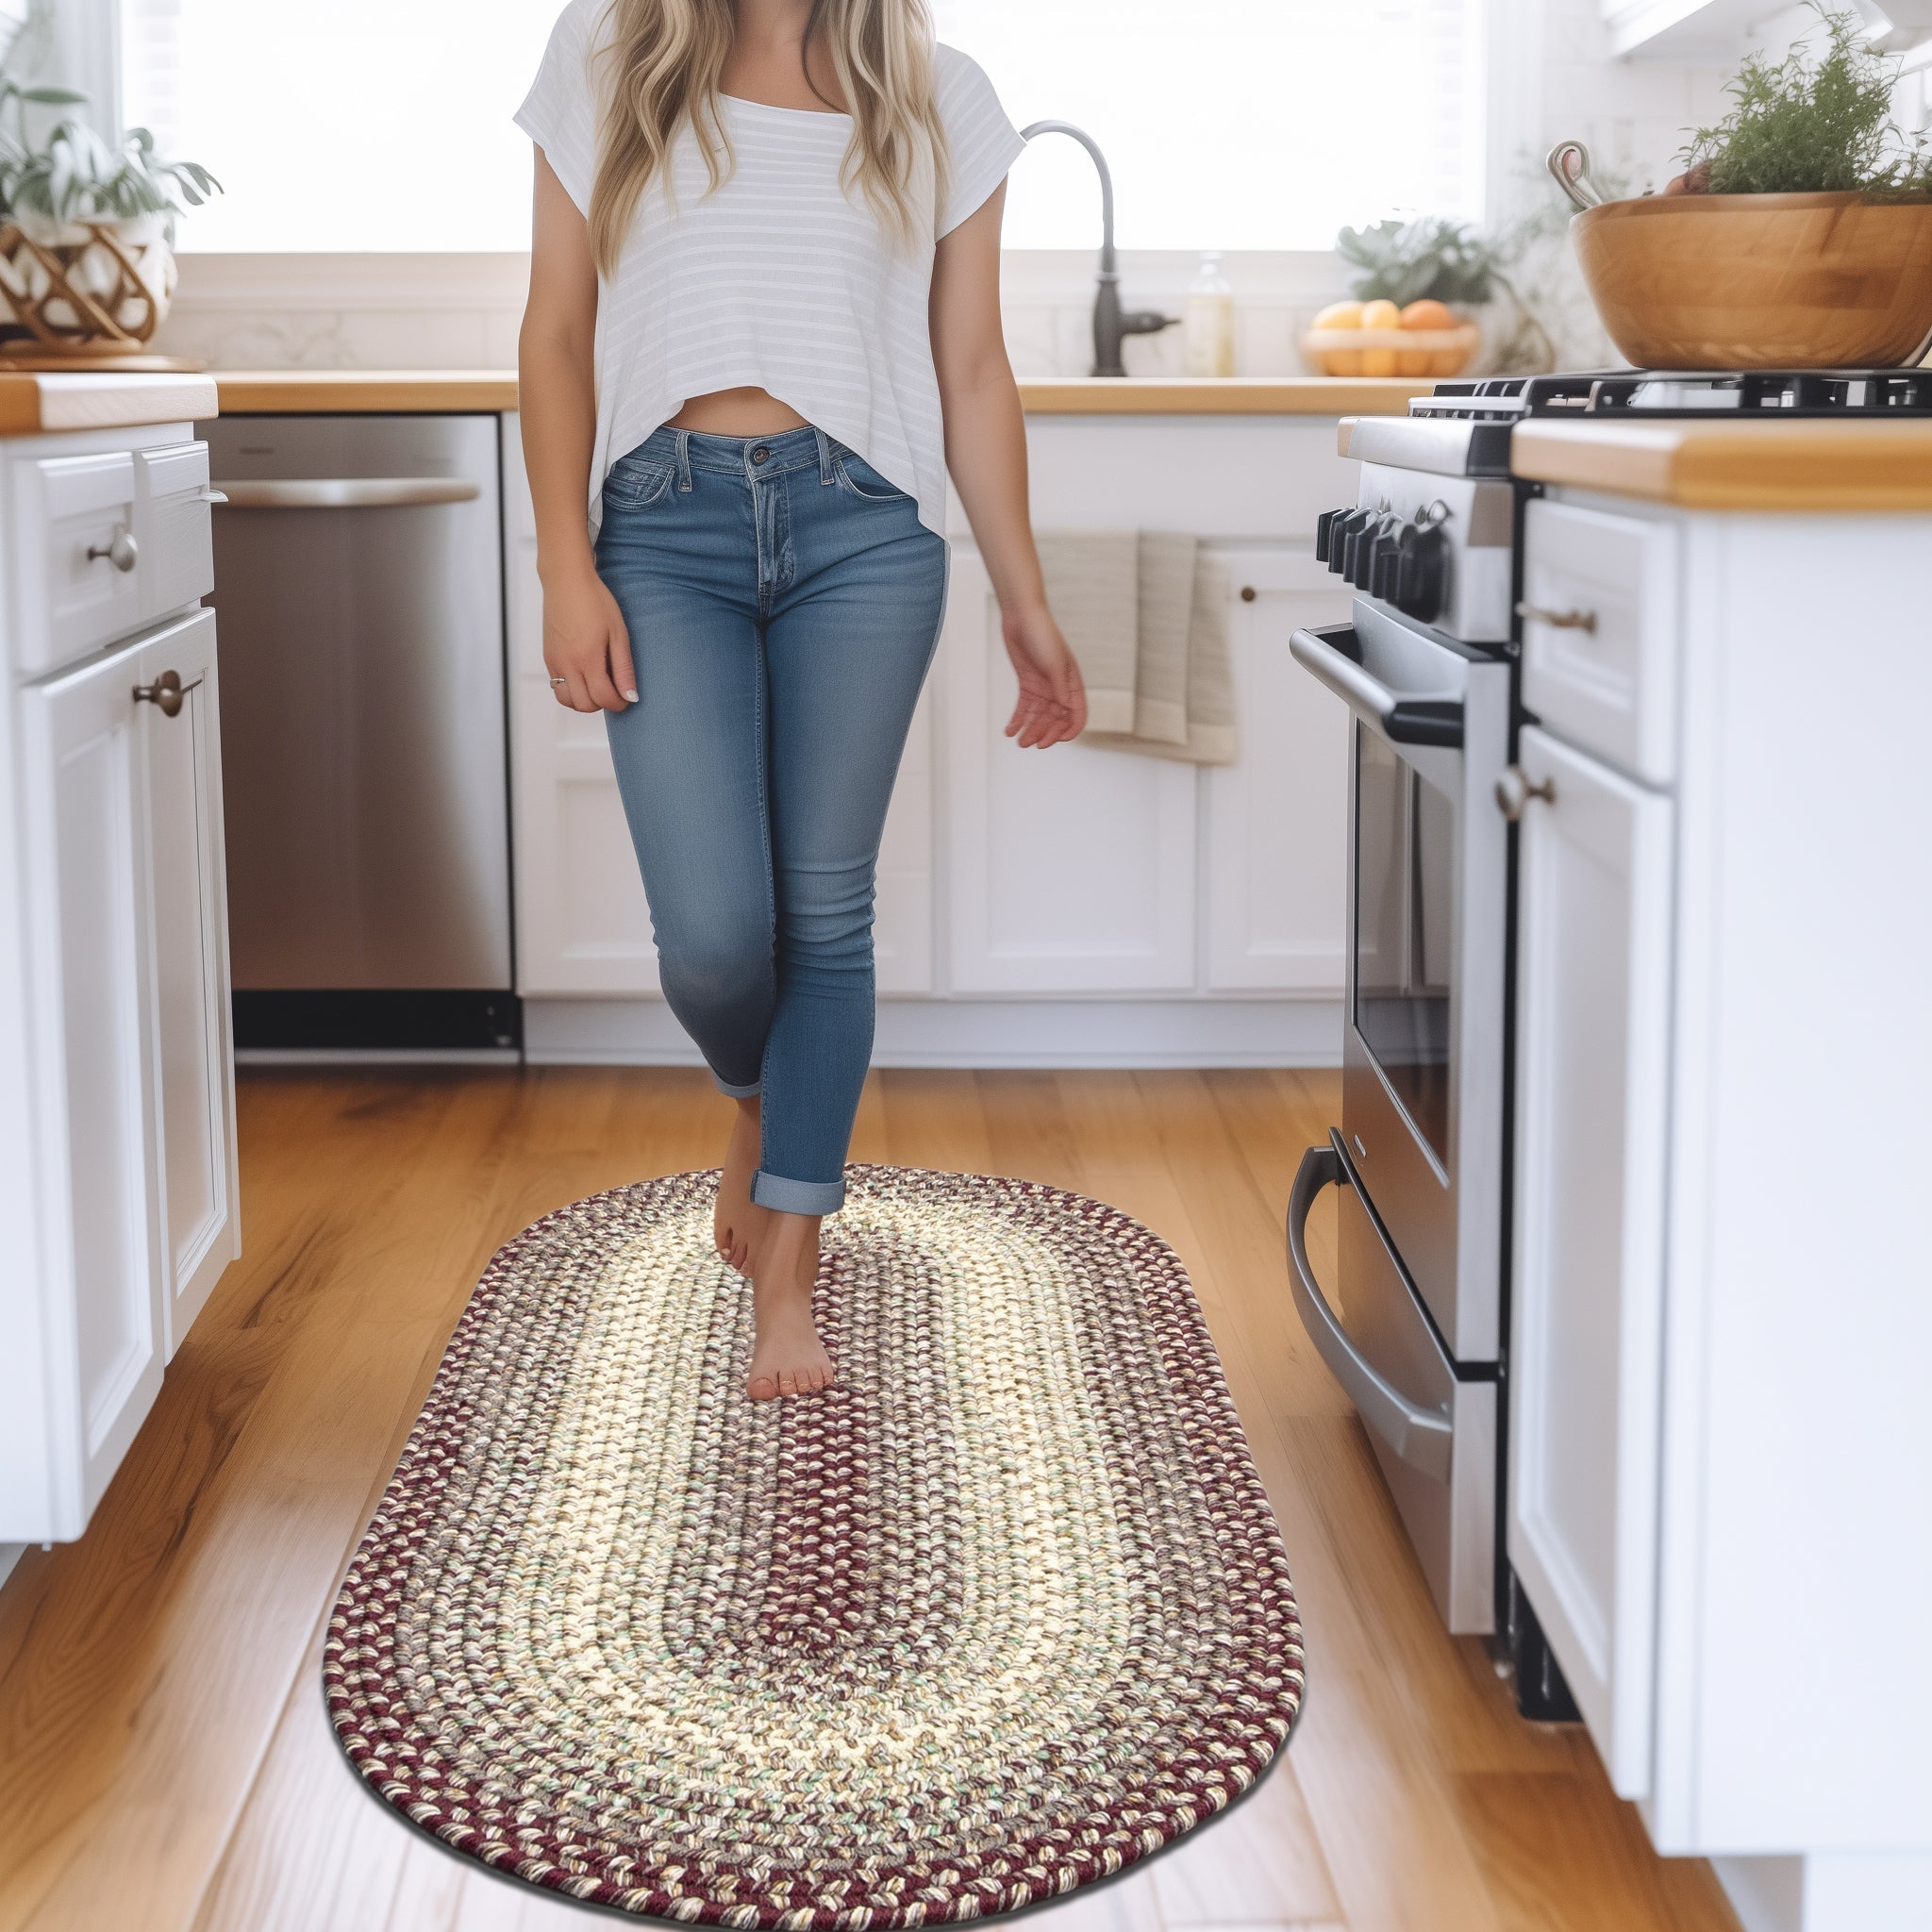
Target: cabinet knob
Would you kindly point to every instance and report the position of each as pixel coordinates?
(1249, 593)
(120, 550)
(1515, 789)
(167, 691)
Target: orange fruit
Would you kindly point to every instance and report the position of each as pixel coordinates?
(1415, 361)
(1428, 315)
(1342, 362)
(1339, 315)
(1381, 315)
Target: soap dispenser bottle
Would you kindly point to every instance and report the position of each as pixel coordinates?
(1208, 321)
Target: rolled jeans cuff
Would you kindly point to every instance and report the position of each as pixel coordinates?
(797, 1197)
(724, 1086)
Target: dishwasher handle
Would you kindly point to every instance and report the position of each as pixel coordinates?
(345, 492)
(1422, 1437)
(1404, 720)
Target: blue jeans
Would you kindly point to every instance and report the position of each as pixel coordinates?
(783, 601)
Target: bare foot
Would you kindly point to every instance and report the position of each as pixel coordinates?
(740, 1224)
(787, 1357)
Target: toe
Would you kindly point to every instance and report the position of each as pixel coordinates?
(761, 1388)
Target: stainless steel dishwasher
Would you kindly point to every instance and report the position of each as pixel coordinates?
(358, 581)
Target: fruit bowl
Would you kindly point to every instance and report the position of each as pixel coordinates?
(1392, 351)
(1377, 338)
(1760, 281)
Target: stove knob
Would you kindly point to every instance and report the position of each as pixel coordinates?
(1421, 575)
(1380, 533)
(1341, 536)
(1384, 565)
(1323, 524)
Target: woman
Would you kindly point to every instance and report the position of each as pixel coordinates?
(763, 323)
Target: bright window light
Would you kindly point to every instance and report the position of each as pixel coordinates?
(1234, 124)
(384, 125)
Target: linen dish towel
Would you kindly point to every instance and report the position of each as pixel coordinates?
(1145, 614)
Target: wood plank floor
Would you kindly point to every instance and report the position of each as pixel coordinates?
(165, 1764)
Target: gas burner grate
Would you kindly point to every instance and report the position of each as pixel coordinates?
(1720, 392)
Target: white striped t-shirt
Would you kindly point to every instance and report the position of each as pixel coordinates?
(779, 280)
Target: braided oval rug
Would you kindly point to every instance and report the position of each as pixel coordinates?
(998, 1615)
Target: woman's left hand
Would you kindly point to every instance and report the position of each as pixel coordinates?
(1052, 705)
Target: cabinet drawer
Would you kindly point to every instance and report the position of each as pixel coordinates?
(177, 560)
(79, 571)
(1599, 633)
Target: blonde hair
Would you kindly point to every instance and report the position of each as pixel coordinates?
(662, 59)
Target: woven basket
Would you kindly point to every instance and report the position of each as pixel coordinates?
(84, 288)
(1392, 351)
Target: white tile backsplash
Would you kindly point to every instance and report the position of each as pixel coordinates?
(378, 311)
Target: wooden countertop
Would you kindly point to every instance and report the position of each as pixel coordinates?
(322, 391)
(1207, 395)
(34, 405)
(344, 391)
(1806, 464)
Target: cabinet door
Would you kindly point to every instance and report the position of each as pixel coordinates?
(582, 923)
(1593, 944)
(193, 1054)
(103, 1272)
(1275, 850)
(1071, 870)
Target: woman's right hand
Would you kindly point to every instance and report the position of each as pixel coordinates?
(586, 644)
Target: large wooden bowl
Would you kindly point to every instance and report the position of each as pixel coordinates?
(1760, 281)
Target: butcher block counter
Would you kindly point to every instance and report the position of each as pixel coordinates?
(322, 391)
(1806, 464)
(43, 404)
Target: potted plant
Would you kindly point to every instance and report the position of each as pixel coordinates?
(87, 262)
(1799, 234)
(1414, 297)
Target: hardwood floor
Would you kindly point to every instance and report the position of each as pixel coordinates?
(165, 1763)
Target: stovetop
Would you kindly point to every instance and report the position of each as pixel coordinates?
(1860, 393)
(1463, 428)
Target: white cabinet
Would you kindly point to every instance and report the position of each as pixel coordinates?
(1068, 871)
(1090, 870)
(1078, 906)
(117, 1110)
(1275, 846)
(193, 1061)
(101, 1211)
(1593, 993)
(1718, 1430)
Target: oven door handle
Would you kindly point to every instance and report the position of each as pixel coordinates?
(1406, 721)
(1423, 1437)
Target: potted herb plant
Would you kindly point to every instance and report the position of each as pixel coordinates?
(1799, 234)
(86, 261)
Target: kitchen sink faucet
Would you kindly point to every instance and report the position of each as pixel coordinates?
(1109, 325)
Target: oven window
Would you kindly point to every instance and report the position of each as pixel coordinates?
(1405, 886)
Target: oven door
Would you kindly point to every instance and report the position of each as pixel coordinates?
(1431, 1422)
(1428, 870)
